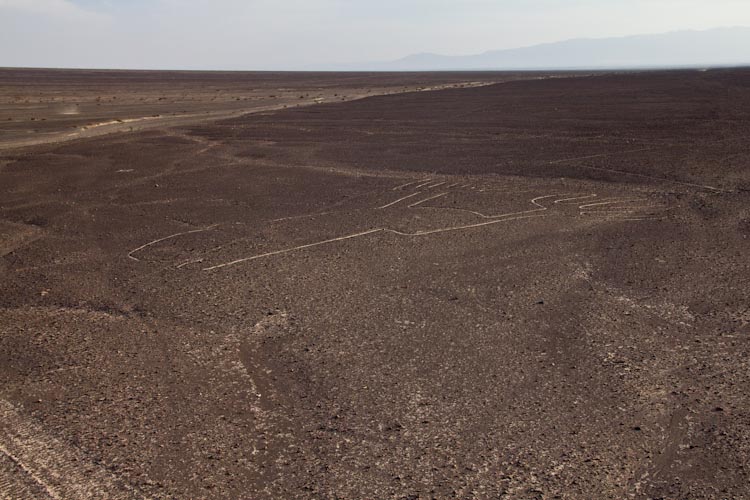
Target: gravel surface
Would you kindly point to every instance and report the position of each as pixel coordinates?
(536, 289)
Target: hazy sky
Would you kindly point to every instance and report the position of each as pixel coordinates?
(302, 34)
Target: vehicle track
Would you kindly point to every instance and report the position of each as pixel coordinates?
(34, 464)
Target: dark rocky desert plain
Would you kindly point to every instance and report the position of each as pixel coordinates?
(400, 286)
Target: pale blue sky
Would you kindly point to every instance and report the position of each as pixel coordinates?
(302, 34)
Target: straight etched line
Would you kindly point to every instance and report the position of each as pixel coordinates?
(287, 250)
(130, 254)
(427, 199)
(399, 200)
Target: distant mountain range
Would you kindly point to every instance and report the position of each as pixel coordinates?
(716, 47)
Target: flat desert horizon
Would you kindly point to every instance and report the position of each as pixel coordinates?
(486, 285)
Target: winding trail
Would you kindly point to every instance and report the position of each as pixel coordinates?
(140, 123)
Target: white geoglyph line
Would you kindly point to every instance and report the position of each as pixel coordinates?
(459, 228)
(601, 155)
(356, 235)
(187, 263)
(427, 199)
(130, 254)
(498, 219)
(627, 208)
(609, 202)
(399, 200)
(402, 186)
(641, 218)
(300, 216)
(614, 214)
(435, 185)
(479, 214)
(424, 184)
(287, 250)
(577, 198)
(613, 217)
(617, 212)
